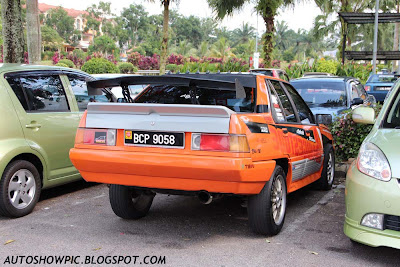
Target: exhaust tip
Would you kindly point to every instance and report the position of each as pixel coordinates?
(205, 197)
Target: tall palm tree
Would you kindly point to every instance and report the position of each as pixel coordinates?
(13, 38)
(244, 34)
(33, 31)
(164, 42)
(268, 9)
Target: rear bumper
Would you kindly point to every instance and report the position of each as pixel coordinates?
(172, 171)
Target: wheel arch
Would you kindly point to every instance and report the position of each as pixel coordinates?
(32, 159)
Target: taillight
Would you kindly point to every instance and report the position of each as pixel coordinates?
(88, 136)
(367, 88)
(220, 142)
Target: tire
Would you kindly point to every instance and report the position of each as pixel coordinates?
(20, 188)
(128, 203)
(328, 171)
(261, 208)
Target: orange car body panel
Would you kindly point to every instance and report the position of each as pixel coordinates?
(216, 172)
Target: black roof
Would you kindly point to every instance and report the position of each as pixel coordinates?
(364, 18)
(225, 80)
(367, 55)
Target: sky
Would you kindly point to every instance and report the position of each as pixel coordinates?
(300, 17)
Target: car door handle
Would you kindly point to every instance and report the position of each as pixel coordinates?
(285, 131)
(33, 126)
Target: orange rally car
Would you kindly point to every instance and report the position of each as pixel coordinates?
(205, 135)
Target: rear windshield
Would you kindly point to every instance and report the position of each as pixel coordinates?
(386, 78)
(171, 94)
(322, 93)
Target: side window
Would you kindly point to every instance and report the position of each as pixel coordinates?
(42, 93)
(276, 107)
(79, 88)
(16, 86)
(306, 116)
(288, 110)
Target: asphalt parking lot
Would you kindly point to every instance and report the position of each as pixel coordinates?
(77, 220)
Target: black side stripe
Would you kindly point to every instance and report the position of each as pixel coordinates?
(256, 127)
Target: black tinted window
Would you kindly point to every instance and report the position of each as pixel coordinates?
(306, 116)
(393, 116)
(170, 94)
(43, 93)
(287, 106)
(79, 88)
(15, 85)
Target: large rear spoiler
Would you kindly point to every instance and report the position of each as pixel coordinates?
(224, 83)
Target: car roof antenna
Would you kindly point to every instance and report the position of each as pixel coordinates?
(240, 92)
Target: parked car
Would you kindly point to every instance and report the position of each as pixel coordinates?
(373, 180)
(331, 95)
(277, 73)
(379, 85)
(205, 135)
(41, 108)
(308, 74)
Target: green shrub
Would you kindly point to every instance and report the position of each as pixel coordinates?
(79, 54)
(348, 135)
(47, 55)
(67, 62)
(99, 65)
(62, 65)
(126, 67)
(172, 67)
(328, 66)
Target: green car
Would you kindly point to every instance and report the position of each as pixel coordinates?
(40, 109)
(373, 180)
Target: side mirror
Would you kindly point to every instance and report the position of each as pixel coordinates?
(121, 100)
(364, 115)
(357, 101)
(324, 119)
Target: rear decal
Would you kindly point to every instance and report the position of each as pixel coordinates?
(256, 127)
(308, 135)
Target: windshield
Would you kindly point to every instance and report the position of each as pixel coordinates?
(393, 117)
(171, 94)
(386, 78)
(322, 93)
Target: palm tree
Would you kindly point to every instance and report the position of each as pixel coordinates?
(13, 38)
(164, 42)
(33, 31)
(268, 9)
(203, 49)
(281, 35)
(221, 49)
(243, 34)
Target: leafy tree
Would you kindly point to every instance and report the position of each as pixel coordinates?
(51, 40)
(243, 34)
(221, 49)
(59, 20)
(104, 44)
(268, 9)
(134, 21)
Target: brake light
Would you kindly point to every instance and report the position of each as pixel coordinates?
(367, 88)
(220, 142)
(87, 136)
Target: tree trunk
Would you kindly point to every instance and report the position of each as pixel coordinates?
(13, 39)
(268, 16)
(33, 31)
(164, 44)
